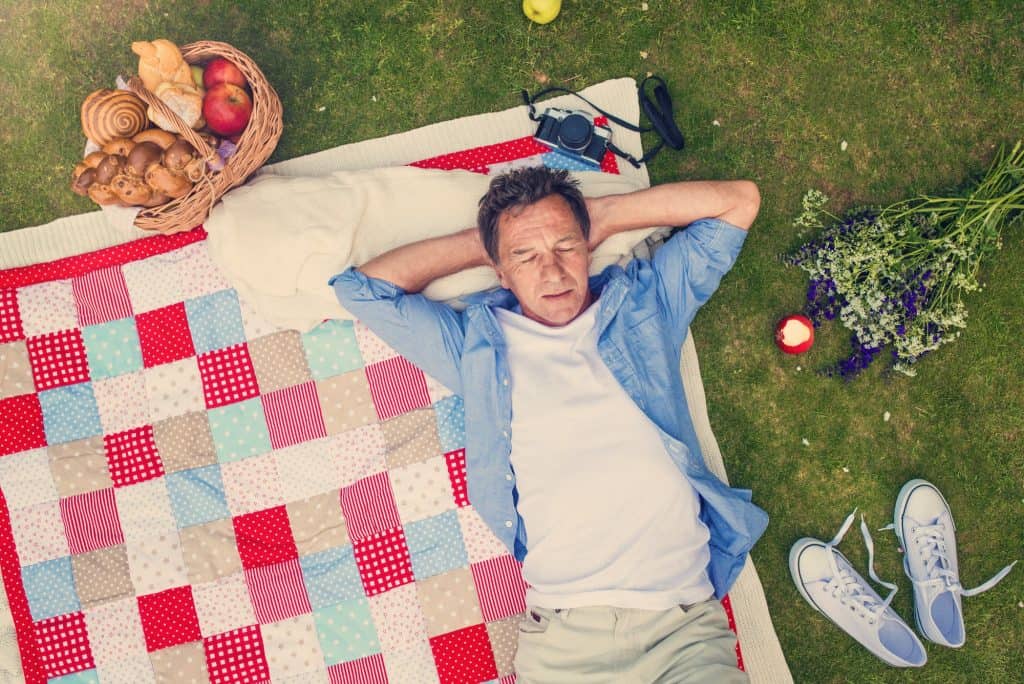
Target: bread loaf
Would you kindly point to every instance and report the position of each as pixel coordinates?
(109, 114)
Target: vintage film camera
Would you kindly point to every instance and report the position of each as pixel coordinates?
(573, 132)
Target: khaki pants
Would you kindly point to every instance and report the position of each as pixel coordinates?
(597, 644)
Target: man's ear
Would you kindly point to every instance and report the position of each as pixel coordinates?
(501, 276)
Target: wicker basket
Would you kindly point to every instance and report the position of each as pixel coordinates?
(254, 147)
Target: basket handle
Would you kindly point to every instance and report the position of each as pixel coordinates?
(136, 86)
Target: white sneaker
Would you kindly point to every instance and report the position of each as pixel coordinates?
(829, 583)
(924, 525)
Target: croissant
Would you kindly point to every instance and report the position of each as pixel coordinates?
(109, 114)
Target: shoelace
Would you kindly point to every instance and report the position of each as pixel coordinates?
(936, 561)
(850, 589)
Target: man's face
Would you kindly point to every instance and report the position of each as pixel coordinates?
(543, 259)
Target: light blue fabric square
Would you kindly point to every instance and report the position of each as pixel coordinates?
(112, 348)
(451, 423)
(559, 160)
(197, 496)
(50, 588)
(331, 349)
(331, 576)
(239, 430)
(215, 321)
(70, 413)
(346, 631)
(83, 677)
(435, 545)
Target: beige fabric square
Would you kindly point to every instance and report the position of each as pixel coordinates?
(411, 438)
(185, 441)
(504, 635)
(210, 551)
(15, 372)
(449, 601)
(317, 523)
(279, 361)
(156, 562)
(182, 664)
(102, 576)
(223, 605)
(79, 466)
(345, 401)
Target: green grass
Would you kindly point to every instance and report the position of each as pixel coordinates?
(921, 93)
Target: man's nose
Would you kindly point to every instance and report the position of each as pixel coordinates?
(551, 269)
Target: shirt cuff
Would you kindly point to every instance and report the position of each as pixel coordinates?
(352, 284)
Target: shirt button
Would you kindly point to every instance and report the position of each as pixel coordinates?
(508, 523)
(505, 382)
(505, 433)
(508, 476)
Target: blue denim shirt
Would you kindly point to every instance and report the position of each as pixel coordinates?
(643, 317)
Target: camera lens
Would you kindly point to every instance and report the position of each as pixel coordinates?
(575, 131)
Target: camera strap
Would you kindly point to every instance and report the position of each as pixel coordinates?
(660, 114)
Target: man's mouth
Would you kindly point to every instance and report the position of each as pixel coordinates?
(559, 295)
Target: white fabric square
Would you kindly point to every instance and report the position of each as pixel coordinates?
(199, 275)
(357, 453)
(122, 402)
(306, 470)
(156, 563)
(412, 663)
(481, 544)
(253, 324)
(39, 533)
(136, 670)
(223, 605)
(252, 484)
(173, 389)
(399, 620)
(26, 479)
(144, 509)
(47, 307)
(436, 390)
(292, 647)
(115, 632)
(371, 347)
(153, 282)
(422, 489)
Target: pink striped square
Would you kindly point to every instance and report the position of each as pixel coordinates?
(101, 296)
(456, 462)
(500, 587)
(396, 387)
(368, 670)
(277, 592)
(91, 521)
(369, 506)
(293, 415)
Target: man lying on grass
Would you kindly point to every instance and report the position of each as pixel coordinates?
(580, 453)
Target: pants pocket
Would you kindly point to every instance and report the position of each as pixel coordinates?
(534, 622)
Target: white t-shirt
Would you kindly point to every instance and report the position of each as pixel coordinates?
(610, 519)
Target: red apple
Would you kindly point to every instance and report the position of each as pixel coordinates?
(227, 109)
(794, 334)
(220, 70)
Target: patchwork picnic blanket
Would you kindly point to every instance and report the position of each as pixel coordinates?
(188, 493)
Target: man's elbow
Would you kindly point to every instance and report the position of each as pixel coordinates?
(748, 204)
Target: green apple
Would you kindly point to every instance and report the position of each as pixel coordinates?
(541, 11)
(197, 75)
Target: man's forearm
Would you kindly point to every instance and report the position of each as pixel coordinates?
(413, 267)
(675, 204)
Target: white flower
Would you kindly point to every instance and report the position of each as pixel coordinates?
(886, 416)
(845, 469)
(716, 123)
(843, 146)
(321, 108)
(805, 442)
(643, 6)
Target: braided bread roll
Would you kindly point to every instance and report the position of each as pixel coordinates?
(109, 114)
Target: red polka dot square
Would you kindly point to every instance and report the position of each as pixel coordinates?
(132, 456)
(228, 376)
(63, 645)
(91, 521)
(383, 561)
(10, 317)
(293, 415)
(164, 335)
(500, 587)
(368, 670)
(21, 424)
(236, 656)
(396, 387)
(464, 655)
(479, 159)
(169, 618)
(101, 296)
(369, 506)
(456, 462)
(277, 592)
(58, 359)
(264, 537)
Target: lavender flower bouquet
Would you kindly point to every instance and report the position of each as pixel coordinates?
(896, 276)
